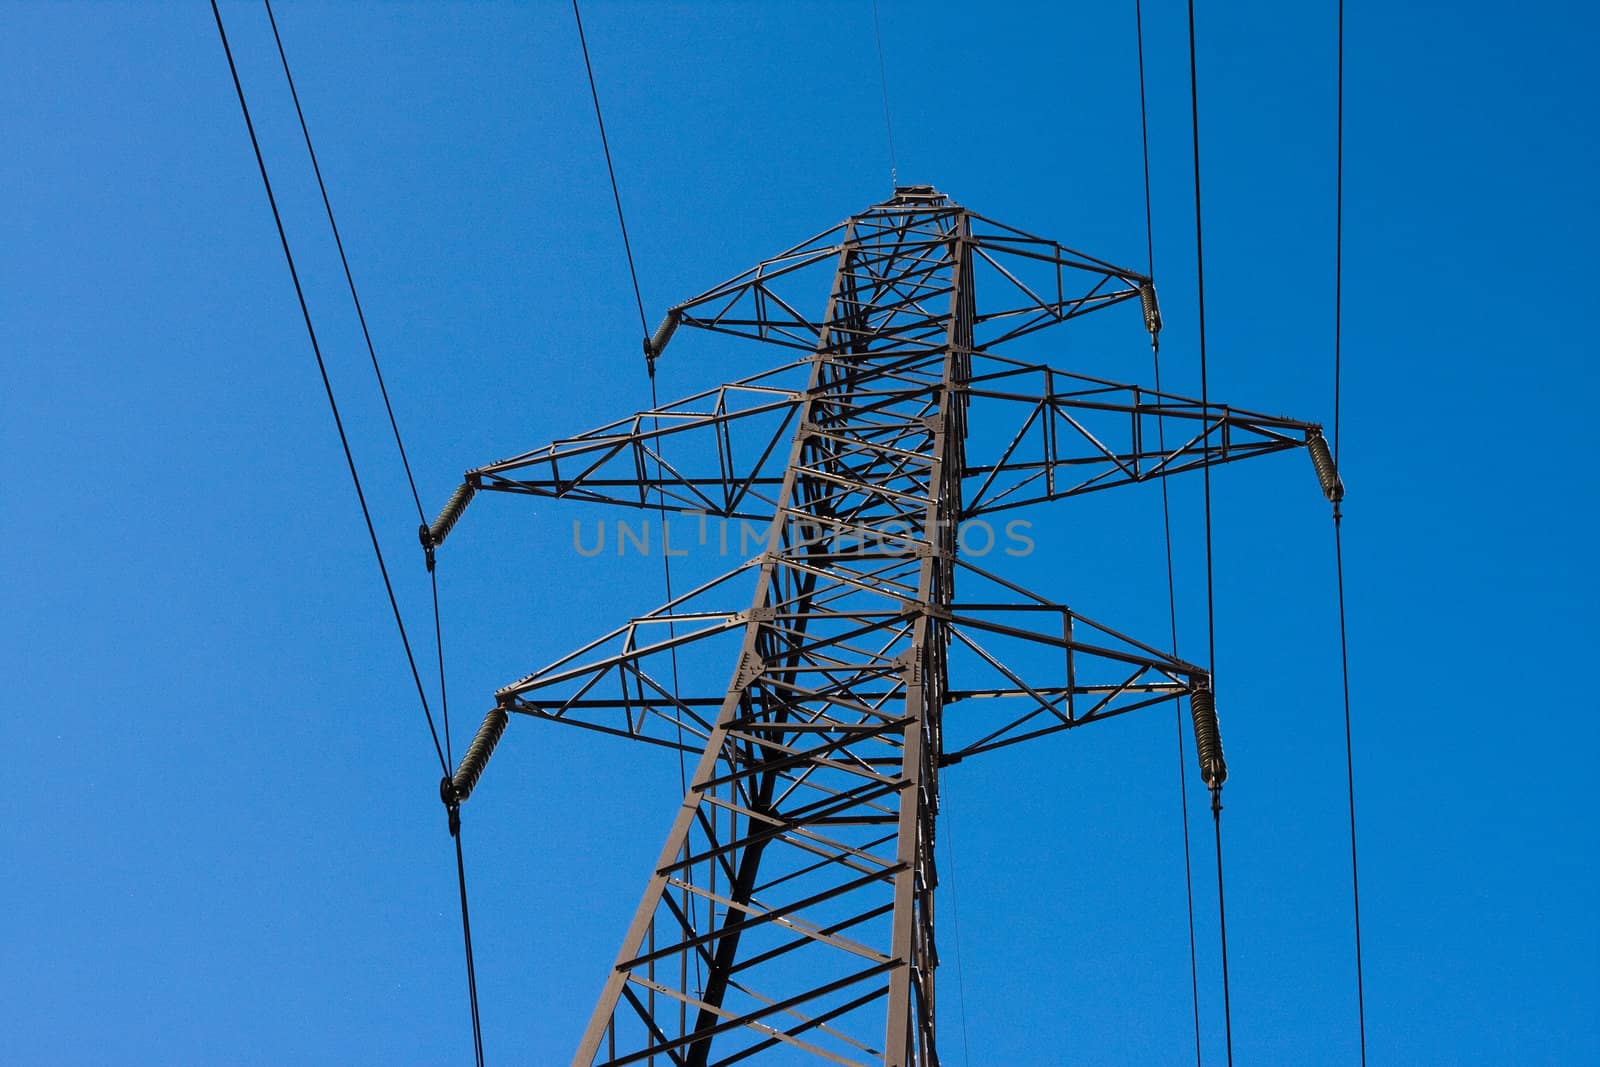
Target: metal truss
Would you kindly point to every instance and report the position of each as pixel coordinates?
(1073, 434)
(791, 912)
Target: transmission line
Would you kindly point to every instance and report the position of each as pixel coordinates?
(955, 923)
(327, 385)
(440, 751)
(883, 81)
(616, 196)
(1338, 538)
(1205, 410)
(466, 933)
(344, 261)
(1166, 527)
(650, 353)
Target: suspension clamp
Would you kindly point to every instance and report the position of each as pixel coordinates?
(452, 803)
(425, 535)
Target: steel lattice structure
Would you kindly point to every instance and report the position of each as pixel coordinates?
(791, 912)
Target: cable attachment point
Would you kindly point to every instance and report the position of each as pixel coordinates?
(425, 536)
(1327, 473)
(1152, 312)
(1207, 738)
(452, 803)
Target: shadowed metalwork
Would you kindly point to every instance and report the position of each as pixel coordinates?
(791, 912)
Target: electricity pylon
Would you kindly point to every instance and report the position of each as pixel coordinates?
(790, 916)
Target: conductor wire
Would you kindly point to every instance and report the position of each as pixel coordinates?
(327, 385)
(883, 81)
(1205, 409)
(442, 753)
(1338, 536)
(655, 403)
(650, 366)
(344, 261)
(372, 352)
(605, 144)
(1166, 527)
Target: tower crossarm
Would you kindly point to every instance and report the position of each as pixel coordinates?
(720, 452)
(1051, 434)
(1028, 282)
(1022, 667)
(763, 302)
(625, 683)
(724, 452)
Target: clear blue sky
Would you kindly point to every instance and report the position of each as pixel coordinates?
(221, 831)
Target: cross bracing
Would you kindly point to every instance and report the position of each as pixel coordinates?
(790, 915)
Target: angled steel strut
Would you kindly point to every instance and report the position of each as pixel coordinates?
(791, 911)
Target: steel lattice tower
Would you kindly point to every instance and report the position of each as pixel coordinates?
(790, 916)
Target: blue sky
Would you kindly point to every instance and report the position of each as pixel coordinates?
(221, 820)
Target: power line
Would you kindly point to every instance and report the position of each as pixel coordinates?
(1350, 777)
(1222, 918)
(672, 627)
(1338, 537)
(1338, 231)
(605, 144)
(883, 81)
(442, 753)
(1183, 774)
(438, 640)
(666, 572)
(1144, 141)
(1205, 397)
(327, 386)
(1166, 527)
(655, 404)
(453, 806)
(1188, 867)
(345, 262)
(466, 933)
(372, 353)
(955, 924)
(1205, 414)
